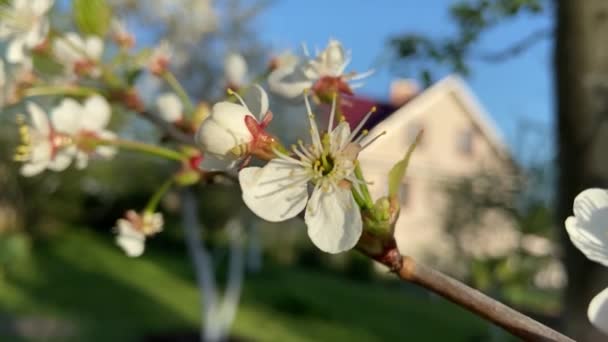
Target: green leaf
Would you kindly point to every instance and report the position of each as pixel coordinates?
(45, 65)
(92, 16)
(395, 176)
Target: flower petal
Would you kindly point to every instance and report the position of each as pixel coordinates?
(235, 69)
(40, 7)
(66, 116)
(587, 229)
(129, 239)
(597, 312)
(106, 151)
(257, 101)
(94, 47)
(14, 51)
(170, 107)
(82, 160)
(40, 121)
(333, 219)
(276, 192)
(96, 114)
(62, 159)
(286, 83)
(32, 169)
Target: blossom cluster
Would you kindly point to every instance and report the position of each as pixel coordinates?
(319, 178)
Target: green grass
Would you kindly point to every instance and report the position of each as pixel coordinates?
(84, 279)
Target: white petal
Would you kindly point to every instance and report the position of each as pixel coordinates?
(66, 116)
(62, 159)
(224, 129)
(587, 229)
(40, 121)
(170, 107)
(40, 7)
(257, 102)
(32, 169)
(82, 160)
(340, 136)
(276, 192)
(96, 114)
(278, 83)
(235, 69)
(106, 151)
(94, 47)
(333, 220)
(598, 311)
(129, 239)
(232, 117)
(14, 51)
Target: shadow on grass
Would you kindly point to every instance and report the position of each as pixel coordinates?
(100, 306)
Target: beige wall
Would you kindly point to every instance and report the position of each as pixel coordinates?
(445, 111)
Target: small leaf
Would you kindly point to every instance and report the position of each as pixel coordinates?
(395, 176)
(92, 16)
(45, 65)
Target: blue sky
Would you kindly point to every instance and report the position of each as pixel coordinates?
(516, 90)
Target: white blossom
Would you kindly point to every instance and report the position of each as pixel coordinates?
(82, 122)
(170, 107)
(38, 143)
(121, 35)
(161, 56)
(235, 70)
(279, 190)
(25, 25)
(133, 230)
(325, 73)
(80, 56)
(225, 134)
(587, 230)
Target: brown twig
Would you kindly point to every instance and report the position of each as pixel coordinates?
(512, 321)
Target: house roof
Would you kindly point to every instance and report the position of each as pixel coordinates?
(387, 115)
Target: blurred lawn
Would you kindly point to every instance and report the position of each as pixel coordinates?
(86, 282)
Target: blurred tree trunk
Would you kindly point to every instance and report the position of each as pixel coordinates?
(581, 79)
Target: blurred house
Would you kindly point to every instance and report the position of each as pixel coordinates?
(459, 140)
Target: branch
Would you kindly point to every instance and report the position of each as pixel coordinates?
(518, 47)
(513, 321)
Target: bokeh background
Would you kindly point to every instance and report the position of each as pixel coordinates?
(537, 68)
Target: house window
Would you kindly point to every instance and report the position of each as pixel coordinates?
(404, 194)
(412, 131)
(465, 141)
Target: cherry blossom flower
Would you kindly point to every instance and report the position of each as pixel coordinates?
(80, 56)
(286, 59)
(587, 231)
(170, 107)
(40, 144)
(280, 190)
(324, 74)
(231, 131)
(121, 35)
(25, 24)
(158, 64)
(84, 123)
(235, 70)
(133, 230)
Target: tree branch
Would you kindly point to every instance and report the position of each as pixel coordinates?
(518, 47)
(473, 300)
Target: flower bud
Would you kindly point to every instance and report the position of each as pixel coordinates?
(225, 133)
